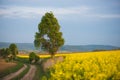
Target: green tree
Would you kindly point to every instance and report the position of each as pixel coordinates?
(2, 52)
(14, 50)
(49, 37)
(33, 57)
(5, 52)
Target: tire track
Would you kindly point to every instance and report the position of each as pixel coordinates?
(30, 74)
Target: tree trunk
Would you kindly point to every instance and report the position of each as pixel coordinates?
(52, 55)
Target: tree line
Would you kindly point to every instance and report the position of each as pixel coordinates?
(9, 53)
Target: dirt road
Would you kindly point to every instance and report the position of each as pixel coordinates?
(30, 74)
(12, 75)
(50, 62)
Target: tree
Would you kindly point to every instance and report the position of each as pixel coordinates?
(49, 37)
(14, 50)
(5, 52)
(2, 52)
(33, 57)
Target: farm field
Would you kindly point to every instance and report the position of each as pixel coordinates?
(5, 65)
(102, 65)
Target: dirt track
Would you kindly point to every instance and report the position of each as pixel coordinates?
(50, 62)
(30, 74)
(12, 75)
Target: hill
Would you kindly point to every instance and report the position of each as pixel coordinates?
(71, 48)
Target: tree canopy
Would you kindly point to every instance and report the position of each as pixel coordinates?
(49, 37)
(14, 50)
(9, 53)
(33, 57)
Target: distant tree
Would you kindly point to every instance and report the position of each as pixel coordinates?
(33, 58)
(49, 37)
(14, 50)
(7, 52)
(2, 52)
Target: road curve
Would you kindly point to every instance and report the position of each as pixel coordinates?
(30, 74)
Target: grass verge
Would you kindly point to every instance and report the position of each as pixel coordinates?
(43, 75)
(37, 73)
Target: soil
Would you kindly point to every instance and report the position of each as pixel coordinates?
(5, 65)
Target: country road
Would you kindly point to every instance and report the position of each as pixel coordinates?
(30, 74)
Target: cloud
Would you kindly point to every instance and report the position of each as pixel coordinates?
(34, 12)
(110, 16)
(29, 12)
(102, 16)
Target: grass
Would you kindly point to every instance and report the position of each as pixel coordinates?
(22, 60)
(43, 75)
(11, 70)
(22, 74)
(39, 72)
(25, 61)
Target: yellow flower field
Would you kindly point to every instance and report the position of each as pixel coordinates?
(104, 65)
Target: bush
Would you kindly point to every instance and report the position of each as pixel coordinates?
(33, 58)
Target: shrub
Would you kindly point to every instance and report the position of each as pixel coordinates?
(33, 58)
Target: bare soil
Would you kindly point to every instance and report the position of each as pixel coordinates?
(5, 65)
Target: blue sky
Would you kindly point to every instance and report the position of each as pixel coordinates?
(82, 22)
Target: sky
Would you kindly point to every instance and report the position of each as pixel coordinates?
(83, 22)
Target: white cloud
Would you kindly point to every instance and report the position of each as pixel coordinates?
(95, 15)
(110, 16)
(33, 12)
(28, 12)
